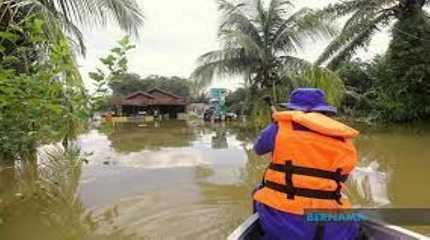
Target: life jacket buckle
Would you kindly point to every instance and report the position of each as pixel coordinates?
(338, 176)
(337, 193)
(289, 187)
(290, 191)
(337, 196)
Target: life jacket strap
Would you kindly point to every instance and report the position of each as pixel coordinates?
(313, 172)
(289, 169)
(305, 192)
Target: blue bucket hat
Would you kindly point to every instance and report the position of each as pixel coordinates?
(309, 100)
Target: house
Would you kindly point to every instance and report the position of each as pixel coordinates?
(197, 108)
(153, 102)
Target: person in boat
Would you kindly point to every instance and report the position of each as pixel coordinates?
(311, 157)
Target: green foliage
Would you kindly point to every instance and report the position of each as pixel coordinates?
(364, 20)
(258, 40)
(359, 78)
(405, 93)
(116, 66)
(355, 75)
(324, 79)
(200, 98)
(261, 114)
(395, 87)
(238, 101)
(113, 82)
(380, 95)
(128, 83)
(68, 15)
(42, 98)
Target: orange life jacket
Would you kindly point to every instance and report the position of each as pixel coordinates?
(308, 168)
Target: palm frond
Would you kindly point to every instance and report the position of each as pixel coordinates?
(238, 39)
(365, 16)
(290, 64)
(303, 25)
(125, 12)
(274, 17)
(352, 27)
(261, 14)
(75, 35)
(344, 8)
(231, 14)
(228, 7)
(257, 39)
(88, 12)
(68, 15)
(220, 63)
(234, 19)
(240, 22)
(346, 44)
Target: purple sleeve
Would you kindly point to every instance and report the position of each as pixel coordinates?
(266, 140)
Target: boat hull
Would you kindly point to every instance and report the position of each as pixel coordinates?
(250, 230)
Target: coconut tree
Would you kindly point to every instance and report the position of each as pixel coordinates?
(70, 16)
(258, 40)
(364, 19)
(402, 92)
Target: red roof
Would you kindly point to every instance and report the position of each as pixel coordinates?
(153, 97)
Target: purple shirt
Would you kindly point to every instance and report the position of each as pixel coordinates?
(265, 142)
(279, 225)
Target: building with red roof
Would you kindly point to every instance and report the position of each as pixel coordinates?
(153, 102)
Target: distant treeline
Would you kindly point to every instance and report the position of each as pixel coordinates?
(128, 83)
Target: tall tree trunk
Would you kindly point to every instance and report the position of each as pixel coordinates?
(275, 97)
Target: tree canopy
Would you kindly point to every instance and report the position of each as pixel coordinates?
(68, 17)
(364, 19)
(258, 41)
(128, 83)
(401, 88)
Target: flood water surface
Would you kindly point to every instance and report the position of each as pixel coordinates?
(183, 180)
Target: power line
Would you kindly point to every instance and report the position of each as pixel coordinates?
(410, 35)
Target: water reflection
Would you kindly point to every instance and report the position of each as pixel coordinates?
(42, 201)
(402, 154)
(184, 181)
(179, 187)
(127, 138)
(219, 140)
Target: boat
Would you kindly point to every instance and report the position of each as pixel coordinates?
(250, 230)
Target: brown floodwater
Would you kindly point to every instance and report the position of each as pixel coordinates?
(184, 180)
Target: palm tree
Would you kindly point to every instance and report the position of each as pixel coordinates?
(258, 41)
(69, 16)
(365, 18)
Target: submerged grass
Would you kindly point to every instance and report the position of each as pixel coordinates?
(43, 201)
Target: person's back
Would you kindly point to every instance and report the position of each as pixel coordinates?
(312, 156)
